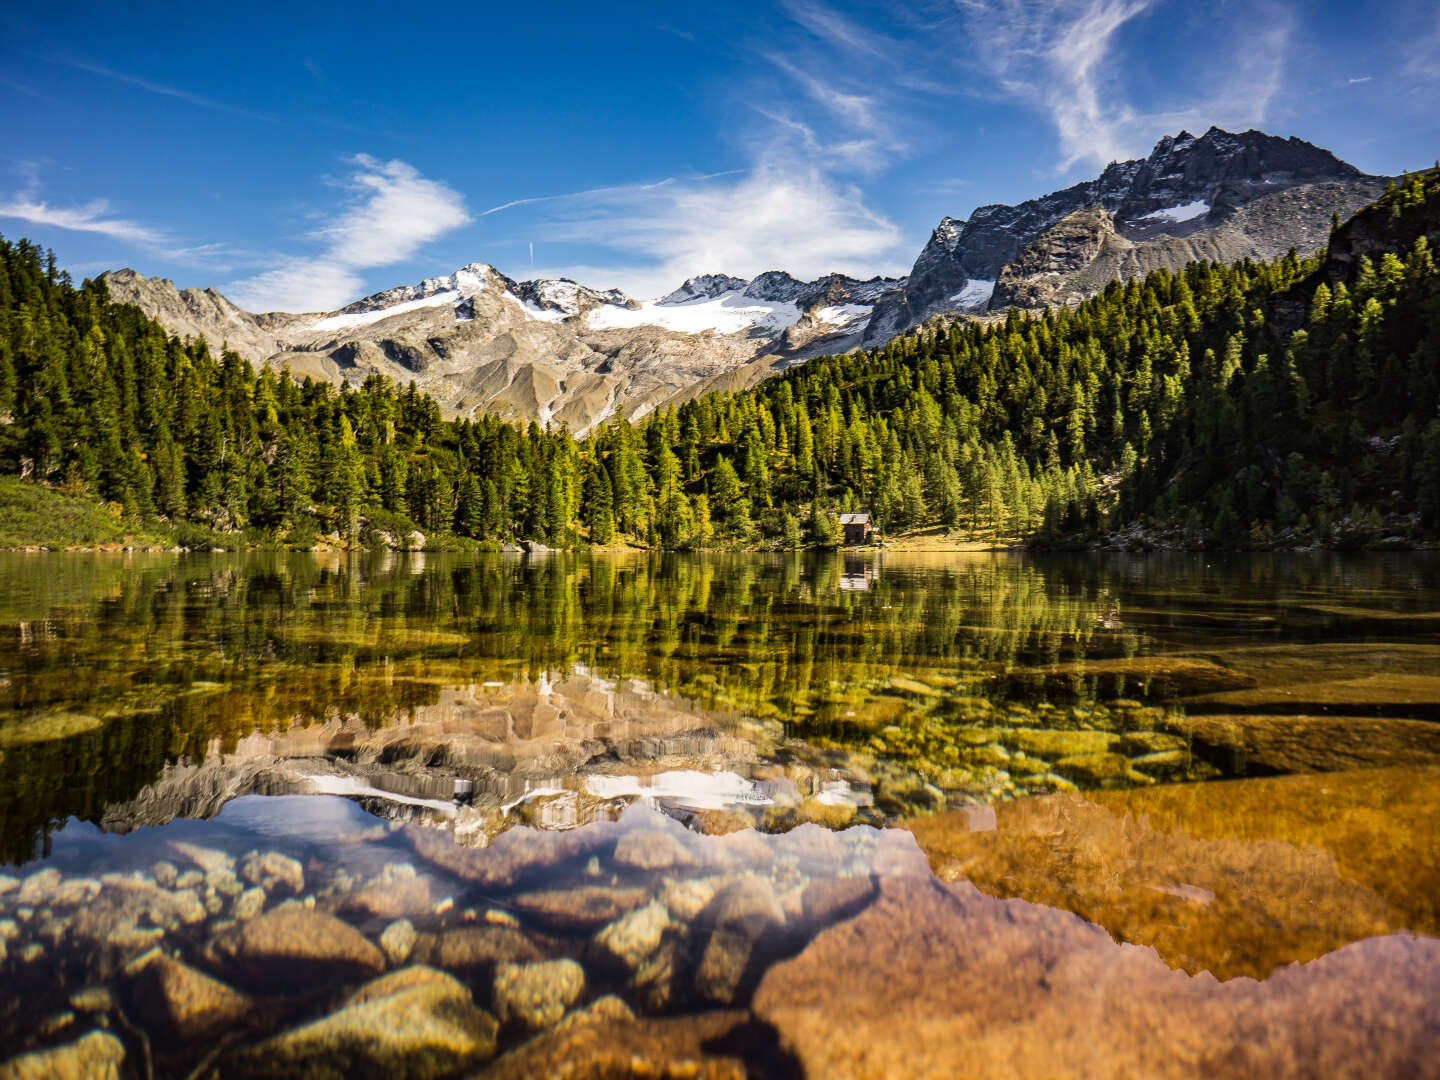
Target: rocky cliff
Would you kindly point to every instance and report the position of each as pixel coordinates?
(1221, 196)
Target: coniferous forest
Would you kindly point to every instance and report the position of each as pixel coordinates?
(1260, 404)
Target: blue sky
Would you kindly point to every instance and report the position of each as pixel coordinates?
(297, 158)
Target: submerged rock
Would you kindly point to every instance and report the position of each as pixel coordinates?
(396, 892)
(605, 1040)
(630, 939)
(273, 869)
(481, 949)
(536, 995)
(651, 849)
(295, 947)
(97, 1056)
(179, 1001)
(1053, 745)
(38, 887)
(416, 1023)
(934, 980)
(582, 908)
(742, 915)
(398, 940)
(513, 855)
(249, 903)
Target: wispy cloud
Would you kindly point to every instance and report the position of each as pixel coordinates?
(393, 211)
(162, 89)
(93, 217)
(1358, 79)
(1061, 56)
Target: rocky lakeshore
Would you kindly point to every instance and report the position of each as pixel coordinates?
(640, 947)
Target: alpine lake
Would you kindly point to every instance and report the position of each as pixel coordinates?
(841, 815)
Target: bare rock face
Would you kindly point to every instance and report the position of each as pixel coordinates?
(1221, 196)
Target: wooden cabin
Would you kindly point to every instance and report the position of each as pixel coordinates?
(857, 529)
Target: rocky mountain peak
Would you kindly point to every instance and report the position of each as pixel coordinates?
(704, 287)
(1198, 190)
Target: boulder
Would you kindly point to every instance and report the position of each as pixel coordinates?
(179, 1002)
(294, 947)
(536, 995)
(415, 1023)
(273, 869)
(478, 950)
(97, 1056)
(582, 908)
(632, 937)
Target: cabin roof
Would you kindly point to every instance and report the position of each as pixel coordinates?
(854, 519)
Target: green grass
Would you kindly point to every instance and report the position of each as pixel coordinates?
(36, 516)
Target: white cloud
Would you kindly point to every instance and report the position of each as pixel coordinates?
(784, 213)
(395, 211)
(1060, 56)
(93, 217)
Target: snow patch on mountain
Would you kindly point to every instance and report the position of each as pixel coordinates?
(1187, 212)
(975, 296)
(728, 313)
(361, 318)
(843, 314)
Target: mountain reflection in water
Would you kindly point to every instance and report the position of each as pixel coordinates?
(718, 816)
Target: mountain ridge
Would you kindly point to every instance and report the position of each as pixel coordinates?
(562, 352)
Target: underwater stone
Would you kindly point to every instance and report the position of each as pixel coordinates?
(741, 915)
(293, 946)
(182, 1002)
(272, 869)
(687, 898)
(223, 880)
(205, 858)
(582, 908)
(1053, 745)
(651, 849)
(536, 995)
(416, 1023)
(38, 886)
(395, 893)
(397, 940)
(475, 949)
(605, 1040)
(97, 1056)
(249, 903)
(631, 938)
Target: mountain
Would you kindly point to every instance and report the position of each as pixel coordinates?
(561, 352)
(550, 350)
(1220, 197)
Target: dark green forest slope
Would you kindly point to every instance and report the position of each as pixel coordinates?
(1291, 402)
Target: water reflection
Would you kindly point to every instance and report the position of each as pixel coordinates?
(634, 815)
